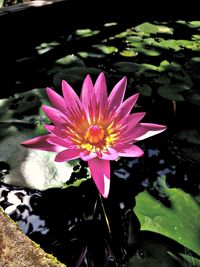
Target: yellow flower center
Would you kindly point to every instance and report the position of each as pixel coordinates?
(94, 134)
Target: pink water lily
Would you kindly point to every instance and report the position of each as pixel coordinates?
(95, 127)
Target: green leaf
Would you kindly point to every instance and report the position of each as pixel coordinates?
(86, 32)
(106, 49)
(128, 53)
(171, 92)
(145, 89)
(127, 67)
(180, 222)
(194, 24)
(148, 28)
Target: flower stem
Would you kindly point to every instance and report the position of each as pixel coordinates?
(105, 215)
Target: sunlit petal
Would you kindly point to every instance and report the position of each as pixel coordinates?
(117, 94)
(100, 171)
(100, 88)
(71, 98)
(127, 105)
(56, 100)
(150, 129)
(56, 117)
(87, 92)
(41, 143)
(131, 151)
(68, 154)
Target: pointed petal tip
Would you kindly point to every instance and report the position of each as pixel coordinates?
(100, 172)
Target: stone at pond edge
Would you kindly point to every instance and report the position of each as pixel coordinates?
(17, 250)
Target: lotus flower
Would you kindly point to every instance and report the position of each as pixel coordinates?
(95, 127)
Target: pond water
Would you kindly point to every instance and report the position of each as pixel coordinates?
(151, 217)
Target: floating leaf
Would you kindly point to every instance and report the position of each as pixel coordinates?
(148, 28)
(194, 24)
(171, 92)
(106, 49)
(127, 67)
(180, 222)
(86, 32)
(128, 53)
(145, 89)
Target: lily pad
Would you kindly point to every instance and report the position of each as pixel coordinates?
(148, 28)
(106, 49)
(145, 89)
(180, 222)
(171, 92)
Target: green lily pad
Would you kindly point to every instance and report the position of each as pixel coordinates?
(106, 49)
(145, 89)
(180, 222)
(171, 92)
(194, 24)
(128, 53)
(86, 32)
(148, 28)
(127, 67)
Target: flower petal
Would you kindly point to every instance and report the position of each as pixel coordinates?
(87, 156)
(117, 94)
(100, 171)
(67, 155)
(100, 89)
(111, 154)
(127, 105)
(131, 151)
(56, 100)
(132, 120)
(57, 117)
(150, 129)
(86, 92)
(71, 98)
(41, 143)
(60, 142)
(58, 131)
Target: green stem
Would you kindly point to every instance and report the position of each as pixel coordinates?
(105, 215)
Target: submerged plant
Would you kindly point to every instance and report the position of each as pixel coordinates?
(95, 127)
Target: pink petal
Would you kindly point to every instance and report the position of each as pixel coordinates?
(57, 117)
(132, 120)
(143, 131)
(100, 171)
(87, 156)
(41, 143)
(150, 130)
(56, 100)
(58, 131)
(100, 89)
(127, 105)
(86, 93)
(111, 154)
(117, 94)
(60, 142)
(133, 134)
(67, 155)
(71, 98)
(131, 151)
